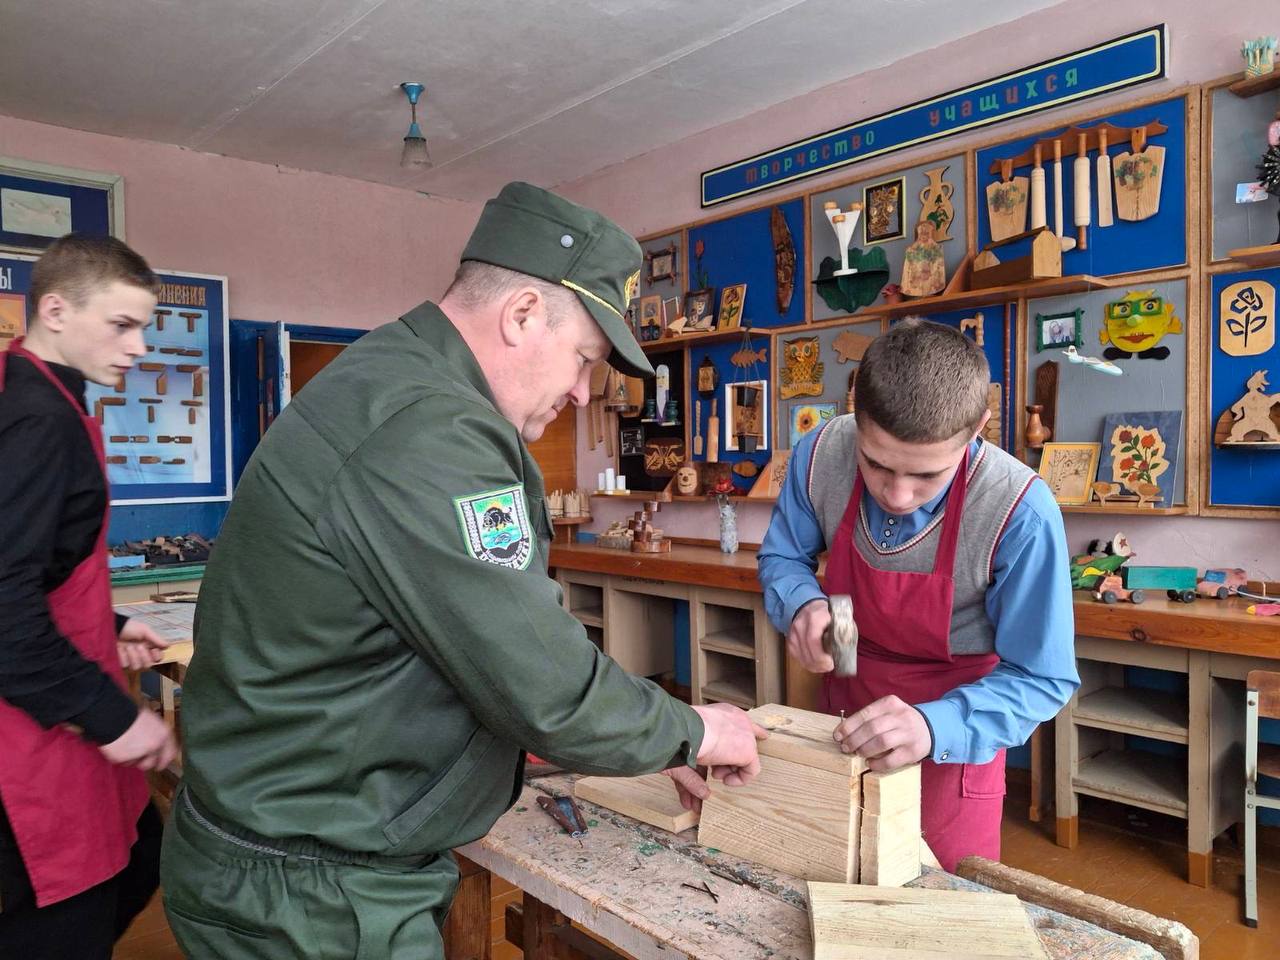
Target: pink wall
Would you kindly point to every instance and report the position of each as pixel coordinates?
(295, 246)
(660, 190)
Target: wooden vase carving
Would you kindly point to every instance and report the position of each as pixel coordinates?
(1036, 434)
(935, 204)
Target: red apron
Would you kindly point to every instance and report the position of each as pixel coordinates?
(73, 813)
(904, 626)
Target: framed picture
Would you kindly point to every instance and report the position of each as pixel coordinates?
(671, 313)
(661, 264)
(732, 299)
(1143, 449)
(746, 415)
(808, 417)
(882, 212)
(631, 441)
(698, 313)
(1069, 469)
(1057, 331)
(651, 318)
(40, 202)
(15, 275)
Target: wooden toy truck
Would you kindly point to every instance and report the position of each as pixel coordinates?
(1178, 582)
(1221, 584)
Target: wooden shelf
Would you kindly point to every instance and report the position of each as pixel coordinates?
(1127, 509)
(1057, 286)
(1265, 256)
(710, 498)
(730, 690)
(590, 616)
(570, 521)
(730, 642)
(1142, 713)
(682, 340)
(1139, 779)
(1252, 86)
(658, 495)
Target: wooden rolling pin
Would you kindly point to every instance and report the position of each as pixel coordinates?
(1083, 200)
(1105, 218)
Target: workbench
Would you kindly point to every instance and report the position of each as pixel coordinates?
(1211, 644)
(622, 882)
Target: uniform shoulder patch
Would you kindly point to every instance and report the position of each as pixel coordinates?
(495, 527)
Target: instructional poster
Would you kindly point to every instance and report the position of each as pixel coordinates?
(165, 423)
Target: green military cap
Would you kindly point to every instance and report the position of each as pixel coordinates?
(532, 231)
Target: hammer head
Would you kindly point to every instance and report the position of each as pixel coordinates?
(841, 637)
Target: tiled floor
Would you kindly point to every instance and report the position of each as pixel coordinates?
(1125, 855)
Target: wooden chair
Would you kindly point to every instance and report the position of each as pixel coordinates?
(1262, 699)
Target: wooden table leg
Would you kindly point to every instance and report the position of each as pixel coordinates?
(547, 934)
(467, 930)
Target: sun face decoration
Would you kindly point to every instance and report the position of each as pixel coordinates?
(801, 374)
(1135, 324)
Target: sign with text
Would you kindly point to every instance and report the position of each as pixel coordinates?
(1104, 68)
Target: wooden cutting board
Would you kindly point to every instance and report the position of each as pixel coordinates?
(853, 922)
(1007, 207)
(650, 799)
(1138, 178)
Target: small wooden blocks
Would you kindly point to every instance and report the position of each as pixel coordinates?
(815, 812)
(645, 537)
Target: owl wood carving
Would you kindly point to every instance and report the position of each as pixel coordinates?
(801, 374)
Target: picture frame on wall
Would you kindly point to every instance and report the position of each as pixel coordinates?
(732, 300)
(661, 264)
(650, 318)
(1057, 331)
(883, 217)
(40, 202)
(746, 412)
(698, 310)
(1070, 469)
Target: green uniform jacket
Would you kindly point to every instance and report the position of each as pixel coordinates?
(377, 639)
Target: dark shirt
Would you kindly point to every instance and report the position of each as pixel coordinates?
(52, 499)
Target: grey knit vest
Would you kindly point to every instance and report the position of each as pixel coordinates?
(997, 482)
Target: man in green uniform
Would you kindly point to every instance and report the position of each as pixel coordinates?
(377, 641)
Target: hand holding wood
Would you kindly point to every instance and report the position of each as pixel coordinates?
(729, 743)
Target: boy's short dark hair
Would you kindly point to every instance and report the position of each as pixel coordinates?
(76, 265)
(922, 382)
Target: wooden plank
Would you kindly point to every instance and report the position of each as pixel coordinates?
(892, 792)
(797, 819)
(889, 848)
(1267, 683)
(466, 931)
(806, 737)
(859, 923)
(1171, 938)
(651, 799)
(1144, 713)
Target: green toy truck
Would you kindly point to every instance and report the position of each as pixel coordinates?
(1178, 582)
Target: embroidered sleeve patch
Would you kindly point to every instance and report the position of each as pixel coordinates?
(495, 527)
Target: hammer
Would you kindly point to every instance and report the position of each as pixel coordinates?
(841, 636)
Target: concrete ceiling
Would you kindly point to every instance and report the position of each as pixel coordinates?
(534, 90)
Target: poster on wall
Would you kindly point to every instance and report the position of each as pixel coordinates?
(40, 202)
(166, 424)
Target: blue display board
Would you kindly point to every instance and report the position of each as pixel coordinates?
(1103, 68)
(1241, 477)
(1125, 246)
(739, 249)
(183, 378)
(720, 354)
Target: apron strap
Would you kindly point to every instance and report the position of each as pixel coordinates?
(17, 348)
(944, 560)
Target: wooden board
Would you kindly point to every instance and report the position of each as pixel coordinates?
(889, 847)
(797, 819)
(853, 923)
(894, 792)
(803, 736)
(1138, 197)
(651, 799)
(1007, 207)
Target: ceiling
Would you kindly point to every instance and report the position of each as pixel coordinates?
(533, 90)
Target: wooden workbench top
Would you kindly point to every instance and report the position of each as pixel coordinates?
(623, 879)
(1218, 626)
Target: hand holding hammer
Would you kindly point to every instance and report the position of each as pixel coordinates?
(824, 637)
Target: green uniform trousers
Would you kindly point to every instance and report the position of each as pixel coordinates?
(230, 896)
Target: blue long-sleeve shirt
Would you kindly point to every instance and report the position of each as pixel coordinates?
(1029, 604)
